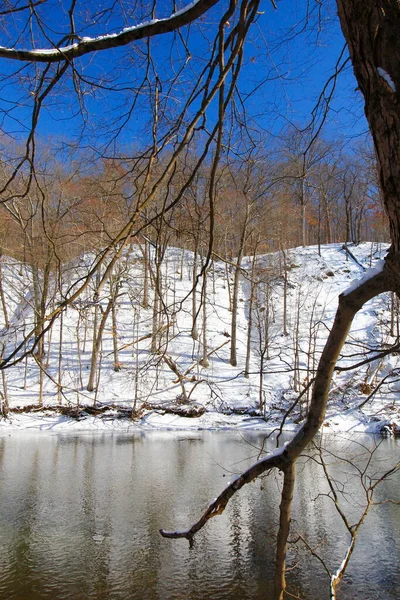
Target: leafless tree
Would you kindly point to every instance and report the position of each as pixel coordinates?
(370, 31)
(217, 80)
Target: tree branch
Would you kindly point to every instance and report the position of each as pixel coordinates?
(350, 303)
(87, 45)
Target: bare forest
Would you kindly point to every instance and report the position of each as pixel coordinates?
(54, 235)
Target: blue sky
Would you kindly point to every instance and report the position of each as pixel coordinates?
(286, 66)
(304, 64)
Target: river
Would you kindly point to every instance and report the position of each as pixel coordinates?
(80, 518)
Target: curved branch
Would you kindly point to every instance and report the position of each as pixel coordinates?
(87, 45)
(276, 460)
(350, 303)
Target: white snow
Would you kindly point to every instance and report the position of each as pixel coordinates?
(314, 284)
(382, 73)
(368, 275)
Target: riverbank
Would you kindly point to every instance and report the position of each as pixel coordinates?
(104, 418)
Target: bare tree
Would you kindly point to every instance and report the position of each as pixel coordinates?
(216, 81)
(371, 33)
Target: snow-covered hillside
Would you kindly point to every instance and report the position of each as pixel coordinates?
(290, 300)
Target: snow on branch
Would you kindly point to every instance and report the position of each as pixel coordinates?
(86, 45)
(385, 75)
(370, 273)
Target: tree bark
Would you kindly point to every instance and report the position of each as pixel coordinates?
(371, 30)
(204, 361)
(194, 331)
(236, 281)
(2, 296)
(97, 338)
(250, 319)
(284, 528)
(146, 277)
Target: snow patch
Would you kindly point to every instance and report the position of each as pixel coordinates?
(370, 273)
(385, 75)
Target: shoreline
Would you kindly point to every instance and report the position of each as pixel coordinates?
(111, 418)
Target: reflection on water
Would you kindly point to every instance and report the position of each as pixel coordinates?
(80, 517)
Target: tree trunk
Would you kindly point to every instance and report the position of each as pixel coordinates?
(285, 286)
(156, 319)
(250, 319)
(204, 361)
(114, 285)
(2, 296)
(97, 339)
(4, 393)
(348, 221)
(228, 285)
(40, 295)
(328, 220)
(60, 360)
(194, 332)
(235, 297)
(303, 202)
(372, 30)
(284, 527)
(37, 305)
(236, 281)
(146, 268)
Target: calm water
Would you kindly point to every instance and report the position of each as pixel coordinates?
(79, 519)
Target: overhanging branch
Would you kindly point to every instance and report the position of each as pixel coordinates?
(87, 45)
(278, 460)
(349, 304)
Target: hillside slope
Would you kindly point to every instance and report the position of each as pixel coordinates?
(292, 298)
